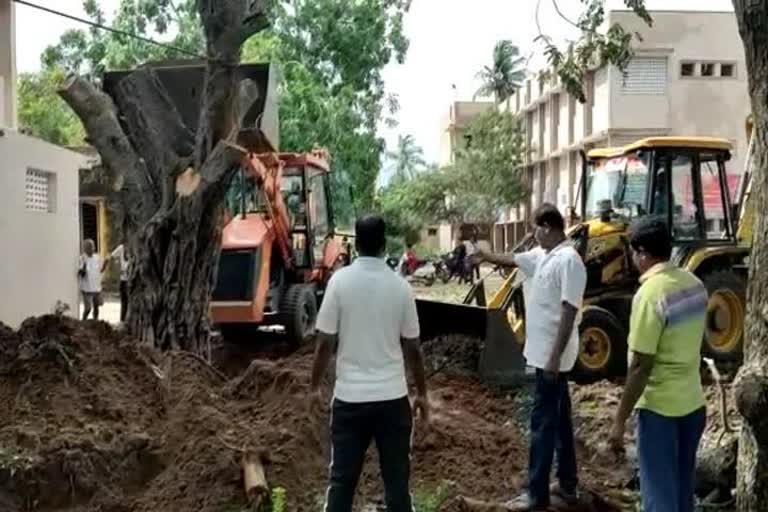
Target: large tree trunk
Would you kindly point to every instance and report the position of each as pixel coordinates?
(173, 181)
(751, 386)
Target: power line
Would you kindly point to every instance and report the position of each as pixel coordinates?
(110, 29)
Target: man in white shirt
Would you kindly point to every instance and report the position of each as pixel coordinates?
(557, 278)
(89, 274)
(368, 317)
(121, 255)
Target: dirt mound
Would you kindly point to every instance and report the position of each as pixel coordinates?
(453, 354)
(94, 422)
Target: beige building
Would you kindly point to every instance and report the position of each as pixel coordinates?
(687, 77)
(38, 206)
(453, 137)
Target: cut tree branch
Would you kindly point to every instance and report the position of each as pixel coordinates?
(227, 25)
(155, 127)
(97, 113)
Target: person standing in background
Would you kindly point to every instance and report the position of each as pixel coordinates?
(120, 254)
(666, 329)
(89, 274)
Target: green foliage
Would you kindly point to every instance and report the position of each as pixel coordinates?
(486, 177)
(488, 172)
(504, 77)
(332, 54)
(278, 499)
(432, 501)
(407, 159)
(91, 50)
(594, 48)
(43, 113)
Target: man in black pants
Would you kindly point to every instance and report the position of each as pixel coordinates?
(368, 317)
(557, 281)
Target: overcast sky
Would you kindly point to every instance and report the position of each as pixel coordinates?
(450, 41)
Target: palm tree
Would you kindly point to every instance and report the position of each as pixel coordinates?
(407, 158)
(505, 76)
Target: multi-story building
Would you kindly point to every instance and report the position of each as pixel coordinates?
(454, 137)
(38, 205)
(687, 77)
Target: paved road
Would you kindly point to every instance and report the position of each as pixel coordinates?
(109, 312)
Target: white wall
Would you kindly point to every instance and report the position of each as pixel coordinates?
(7, 64)
(602, 101)
(40, 248)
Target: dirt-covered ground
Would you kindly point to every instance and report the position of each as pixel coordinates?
(90, 421)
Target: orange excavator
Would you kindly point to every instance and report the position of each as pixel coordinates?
(278, 246)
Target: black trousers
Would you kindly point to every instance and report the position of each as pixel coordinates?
(123, 299)
(353, 427)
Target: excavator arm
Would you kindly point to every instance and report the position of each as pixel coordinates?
(267, 169)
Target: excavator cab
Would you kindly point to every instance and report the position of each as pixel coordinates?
(683, 180)
(278, 248)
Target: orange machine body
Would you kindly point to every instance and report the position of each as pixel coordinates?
(274, 239)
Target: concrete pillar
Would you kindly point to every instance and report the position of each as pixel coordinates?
(8, 64)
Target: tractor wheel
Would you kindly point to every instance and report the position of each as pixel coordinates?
(602, 346)
(724, 334)
(299, 313)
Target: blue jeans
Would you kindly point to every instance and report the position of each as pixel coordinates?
(551, 432)
(667, 452)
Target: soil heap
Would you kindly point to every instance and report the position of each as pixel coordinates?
(91, 421)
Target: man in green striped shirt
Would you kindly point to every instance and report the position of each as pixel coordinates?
(663, 382)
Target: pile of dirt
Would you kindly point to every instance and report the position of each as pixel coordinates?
(452, 354)
(92, 421)
(594, 408)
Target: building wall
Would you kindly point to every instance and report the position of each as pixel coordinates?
(601, 108)
(697, 105)
(654, 96)
(40, 260)
(7, 64)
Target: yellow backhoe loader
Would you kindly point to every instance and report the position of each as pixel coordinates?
(683, 179)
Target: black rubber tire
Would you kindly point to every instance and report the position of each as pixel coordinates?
(594, 317)
(298, 313)
(728, 280)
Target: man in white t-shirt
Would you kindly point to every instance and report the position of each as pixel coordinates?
(89, 276)
(556, 279)
(368, 317)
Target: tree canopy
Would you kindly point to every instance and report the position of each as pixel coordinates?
(331, 53)
(407, 159)
(486, 176)
(505, 75)
(43, 113)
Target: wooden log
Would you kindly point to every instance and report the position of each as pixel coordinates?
(254, 477)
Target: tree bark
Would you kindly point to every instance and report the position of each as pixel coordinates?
(751, 385)
(174, 181)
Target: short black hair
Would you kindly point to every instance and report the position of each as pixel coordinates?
(650, 234)
(547, 214)
(370, 235)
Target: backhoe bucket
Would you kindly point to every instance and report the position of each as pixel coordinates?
(501, 361)
(443, 318)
